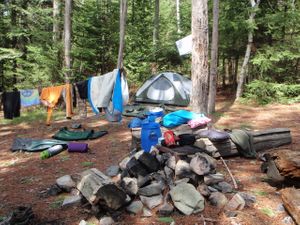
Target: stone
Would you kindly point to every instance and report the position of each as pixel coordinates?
(130, 185)
(231, 213)
(72, 200)
(183, 180)
(66, 183)
(171, 162)
(83, 222)
(182, 169)
(203, 164)
(138, 154)
(149, 162)
(169, 173)
(153, 201)
(187, 199)
(144, 180)
(212, 189)
(280, 208)
(203, 189)
(112, 171)
(249, 198)
(224, 187)
(135, 207)
(235, 203)
(136, 168)
(153, 189)
(123, 163)
(107, 220)
(288, 220)
(146, 212)
(218, 199)
(165, 209)
(213, 178)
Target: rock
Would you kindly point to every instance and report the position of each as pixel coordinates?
(83, 222)
(169, 173)
(130, 185)
(203, 189)
(166, 209)
(72, 200)
(135, 207)
(182, 169)
(249, 198)
(53, 190)
(203, 164)
(213, 178)
(224, 187)
(231, 213)
(212, 189)
(183, 180)
(280, 207)
(66, 183)
(107, 220)
(152, 189)
(136, 168)
(288, 220)
(138, 154)
(171, 162)
(187, 199)
(123, 163)
(236, 203)
(153, 201)
(218, 199)
(149, 162)
(112, 171)
(146, 212)
(144, 180)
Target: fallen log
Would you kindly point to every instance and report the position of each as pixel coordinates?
(262, 140)
(98, 188)
(291, 201)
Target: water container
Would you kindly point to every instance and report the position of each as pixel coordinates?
(150, 133)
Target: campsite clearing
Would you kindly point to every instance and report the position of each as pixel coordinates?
(24, 177)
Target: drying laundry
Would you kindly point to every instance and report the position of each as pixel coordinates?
(29, 97)
(11, 104)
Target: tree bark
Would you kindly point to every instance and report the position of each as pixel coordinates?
(214, 59)
(199, 98)
(242, 75)
(67, 39)
(178, 16)
(123, 15)
(156, 26)
(55, 29)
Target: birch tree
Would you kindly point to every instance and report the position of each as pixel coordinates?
(123, 16)
(242, 75)
(67, 39)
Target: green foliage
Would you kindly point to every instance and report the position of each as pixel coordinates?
(265, 92)
(269, 212)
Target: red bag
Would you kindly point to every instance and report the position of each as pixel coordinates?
(170, 138)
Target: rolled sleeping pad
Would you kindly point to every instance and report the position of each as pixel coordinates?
(77, 147)
(54, 150)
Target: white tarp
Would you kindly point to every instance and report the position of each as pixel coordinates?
(184, 45)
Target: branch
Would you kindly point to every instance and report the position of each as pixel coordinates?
(230, 174)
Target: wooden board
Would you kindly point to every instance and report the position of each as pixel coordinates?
(291, 201)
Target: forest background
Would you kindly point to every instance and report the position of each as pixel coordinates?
(31, 43)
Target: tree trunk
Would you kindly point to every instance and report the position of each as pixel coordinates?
(123, 15)
(178, 16)
(156, 25)
(199, 98)
(67, 39)
(56, 8)
(214, 59)
(242, 76)
(224, 72)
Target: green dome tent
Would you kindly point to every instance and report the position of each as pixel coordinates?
(165, 88)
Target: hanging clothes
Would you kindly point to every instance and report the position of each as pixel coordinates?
(82, 87)
(50, 96)
(29, 97)
(100, 89)
(11, 104)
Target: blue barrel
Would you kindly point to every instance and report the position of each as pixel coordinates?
(150, 133)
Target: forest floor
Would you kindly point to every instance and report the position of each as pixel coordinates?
(23, 176)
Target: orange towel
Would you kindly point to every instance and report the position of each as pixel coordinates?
(50, 96)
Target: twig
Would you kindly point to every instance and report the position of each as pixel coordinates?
(230, 174)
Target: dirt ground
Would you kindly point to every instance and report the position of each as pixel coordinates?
(23, 176)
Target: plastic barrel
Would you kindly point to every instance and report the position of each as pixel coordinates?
(150, 134)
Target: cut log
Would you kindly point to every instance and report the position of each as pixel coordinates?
(291, 201)
(262, 140)
(287, 162)
(98, 188)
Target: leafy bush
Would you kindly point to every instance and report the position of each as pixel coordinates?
(265, 92)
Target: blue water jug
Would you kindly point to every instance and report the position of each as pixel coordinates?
(150, 133)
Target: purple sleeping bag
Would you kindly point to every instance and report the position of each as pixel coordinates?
(77, 147)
